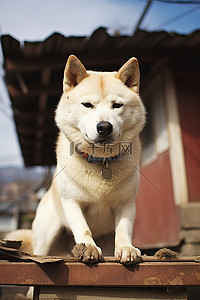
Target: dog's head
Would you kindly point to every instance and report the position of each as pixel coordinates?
(100, 108)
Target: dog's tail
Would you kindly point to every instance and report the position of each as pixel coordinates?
(24, 235)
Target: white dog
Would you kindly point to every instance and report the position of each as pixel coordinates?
(100, 116)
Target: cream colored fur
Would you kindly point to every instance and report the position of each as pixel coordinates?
(25, 235)
(80, 199)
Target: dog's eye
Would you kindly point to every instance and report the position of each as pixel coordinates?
(87, 104)
(117, 105)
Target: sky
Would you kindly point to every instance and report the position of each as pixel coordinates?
(34, 20)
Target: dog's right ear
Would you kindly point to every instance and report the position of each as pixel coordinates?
(74, 72)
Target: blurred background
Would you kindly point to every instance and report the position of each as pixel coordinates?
(36, 39)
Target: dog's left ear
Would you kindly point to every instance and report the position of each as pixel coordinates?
(74, 72)
(129, 74)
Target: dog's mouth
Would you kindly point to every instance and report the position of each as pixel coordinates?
(101, 146)
(103, 141)
(99, 141)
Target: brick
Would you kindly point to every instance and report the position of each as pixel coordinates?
(191, 236)
(190, 215)
(190, 249)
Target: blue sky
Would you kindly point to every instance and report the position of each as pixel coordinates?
(36, 19)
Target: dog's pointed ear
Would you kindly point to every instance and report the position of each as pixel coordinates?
(129, 74)
(74, 72)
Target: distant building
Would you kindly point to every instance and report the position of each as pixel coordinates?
(19, 198)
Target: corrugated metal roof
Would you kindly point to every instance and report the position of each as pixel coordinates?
(34, 72)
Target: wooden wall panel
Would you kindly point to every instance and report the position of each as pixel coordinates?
(157, 219)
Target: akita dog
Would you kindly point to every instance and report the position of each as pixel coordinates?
(100, 116)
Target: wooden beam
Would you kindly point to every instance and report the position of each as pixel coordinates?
(34, 90)
(102, 274)
(29, 143)
(21, 82)
(33, 64)
(45, 80)
(28, 130)
(91, 60)
(100, 58)
(40, 161)
(26, 115)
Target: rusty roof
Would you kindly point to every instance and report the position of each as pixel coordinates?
(34, 71)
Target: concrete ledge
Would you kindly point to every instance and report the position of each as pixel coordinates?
(110, 293)
(190, 215)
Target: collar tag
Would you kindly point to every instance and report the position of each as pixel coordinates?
(106, 172)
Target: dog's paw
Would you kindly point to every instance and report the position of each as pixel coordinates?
(87, 253)
(92, 254)
(127, 254)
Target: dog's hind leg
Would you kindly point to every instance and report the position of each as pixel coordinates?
(46, 226)
(44, 237)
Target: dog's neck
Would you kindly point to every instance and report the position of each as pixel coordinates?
(106, 171)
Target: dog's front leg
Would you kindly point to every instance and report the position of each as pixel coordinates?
(125, 252)
(80, 229)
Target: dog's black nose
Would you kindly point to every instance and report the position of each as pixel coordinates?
(104, 128)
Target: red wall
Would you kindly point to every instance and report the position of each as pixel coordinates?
(188, 93)
(157, 218)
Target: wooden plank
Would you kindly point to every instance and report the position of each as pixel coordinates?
(177, 160)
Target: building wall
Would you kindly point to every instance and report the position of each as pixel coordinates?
(157, 219)
(188, 98)
(188, 95)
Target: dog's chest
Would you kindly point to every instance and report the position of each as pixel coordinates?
(100, 218)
